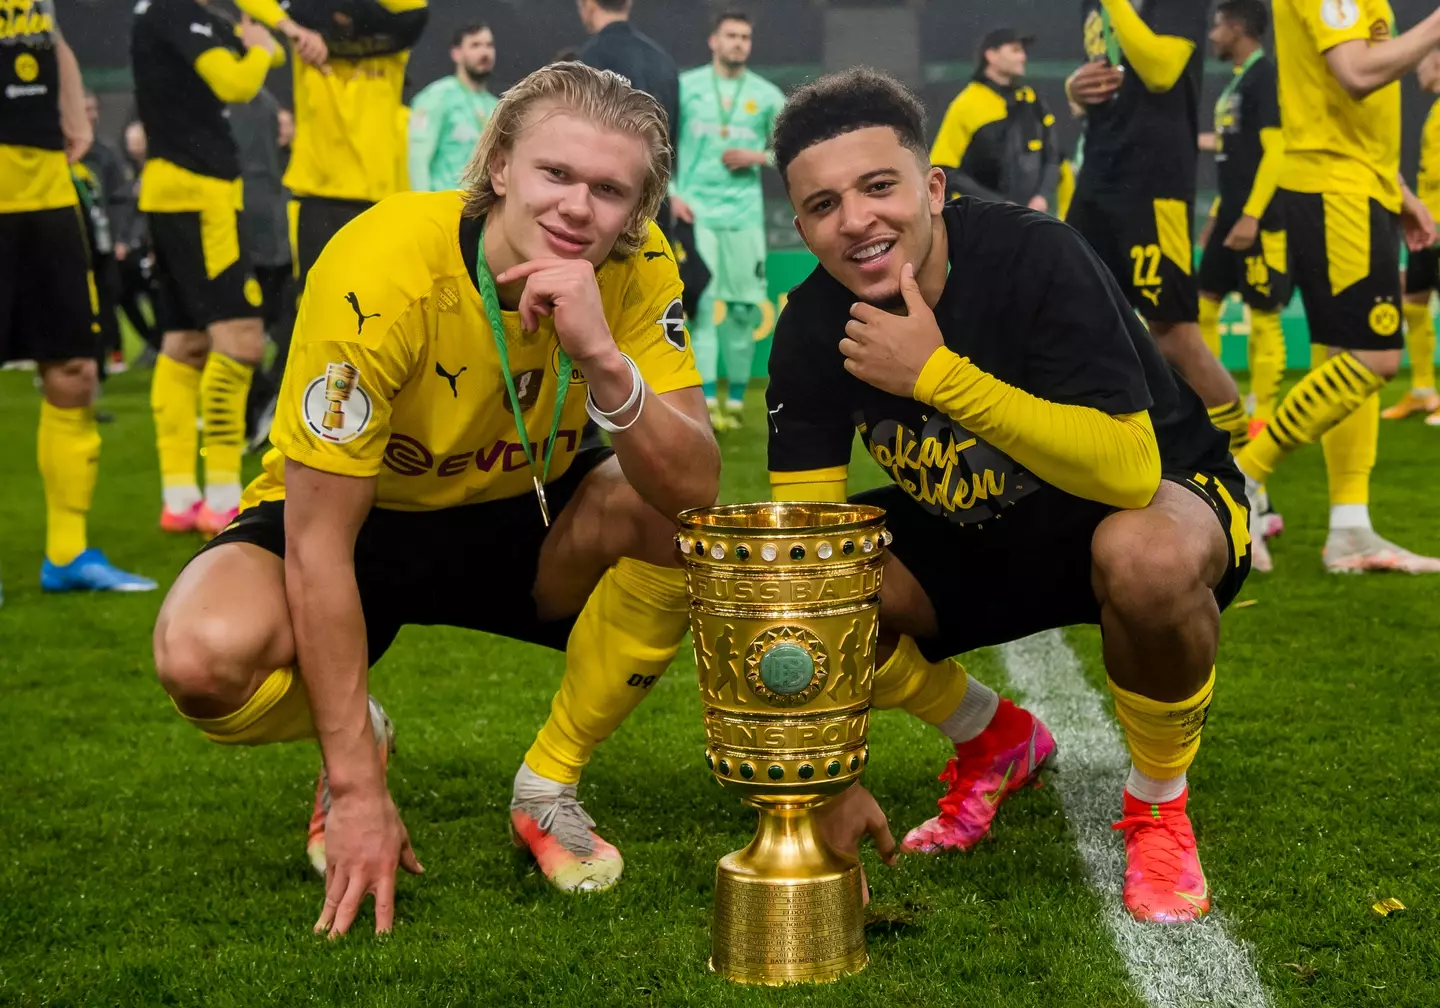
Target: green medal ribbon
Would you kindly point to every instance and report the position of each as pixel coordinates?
(1112, 43)
(725, 117)
(485, 280)
(1224, 100)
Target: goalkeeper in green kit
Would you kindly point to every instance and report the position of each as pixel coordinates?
(726, 117)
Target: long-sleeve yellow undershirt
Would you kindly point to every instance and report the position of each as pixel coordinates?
(826, 485)
(1158, 59)
(234, 79)
(1267, 176)
(1077, 449)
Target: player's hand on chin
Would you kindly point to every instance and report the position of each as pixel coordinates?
(889, 351)
(565, 290)
(850, 817)
(364, 843)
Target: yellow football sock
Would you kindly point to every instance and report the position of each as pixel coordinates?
(278, 712)
(1267, 361)
(1210, 324)
(1323, 398)
(1350, 449)
(1420, 341)
(1163, 737)
(929, 690)
(69, 456)
(224, 384)
(1232, 419)
(622, 642)
(175, 402)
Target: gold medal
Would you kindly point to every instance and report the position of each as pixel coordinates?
(724, 132)
(540, 496)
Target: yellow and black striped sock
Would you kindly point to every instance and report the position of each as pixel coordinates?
(1323, 398)
(175, 403)
(69, 456)
(1210, 324)
(224, 385)
(1233, 420)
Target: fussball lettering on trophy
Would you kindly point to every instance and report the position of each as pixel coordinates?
(784, 610)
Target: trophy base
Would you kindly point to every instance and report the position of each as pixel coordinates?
(787, 907)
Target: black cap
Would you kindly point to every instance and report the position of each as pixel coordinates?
(998, 37)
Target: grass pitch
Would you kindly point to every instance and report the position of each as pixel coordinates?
(143, 866)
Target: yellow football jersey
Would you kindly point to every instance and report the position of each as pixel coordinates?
(346, 142)
(1333, 143)
(391, 312)
(1427, 187)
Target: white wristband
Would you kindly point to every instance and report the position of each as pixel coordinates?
(605, 420)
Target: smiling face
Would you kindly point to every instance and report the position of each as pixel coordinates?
(866, 205)
(568, 188)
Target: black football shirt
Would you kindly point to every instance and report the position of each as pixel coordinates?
(1252, 106)
(1026, 301)
(185, 123)
(1141, 144)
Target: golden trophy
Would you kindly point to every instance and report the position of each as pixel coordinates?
(784, 610)
(340, 381)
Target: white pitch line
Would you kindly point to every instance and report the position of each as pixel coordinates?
(1173, 966)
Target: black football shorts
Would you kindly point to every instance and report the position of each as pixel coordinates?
(1345, 258)
(48, 302)
(993, 594)
(203, 275)
(471, 566)
(1260, 273)
(1146, 246)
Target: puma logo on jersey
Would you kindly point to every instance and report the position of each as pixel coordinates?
(451, 378)
(1152, 296)
(662, 254)
(355, 304)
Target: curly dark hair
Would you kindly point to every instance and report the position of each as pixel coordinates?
(842, 103)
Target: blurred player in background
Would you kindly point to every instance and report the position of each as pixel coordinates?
(727, 113)
(47, 292)
(188, 62)
(448, 116)
(614, 44)
(1423, 272)
(1244, 237)
(995, 140)
(424, 443)
(1343, 202)
(1135, 195)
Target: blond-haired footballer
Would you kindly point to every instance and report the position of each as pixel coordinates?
(399, 490)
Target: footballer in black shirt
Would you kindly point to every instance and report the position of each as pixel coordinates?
(188, 63)
(1045, 468)
(1135, 195)
(1244, 239)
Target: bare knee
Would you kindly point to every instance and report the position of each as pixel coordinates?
(210, 661)
(186, 346)
(71, 383)
(1148, 568)
(1385, 364)
(242, 339)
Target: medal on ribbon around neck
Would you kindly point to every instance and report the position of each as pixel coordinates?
(485, 280)
(726, 114)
